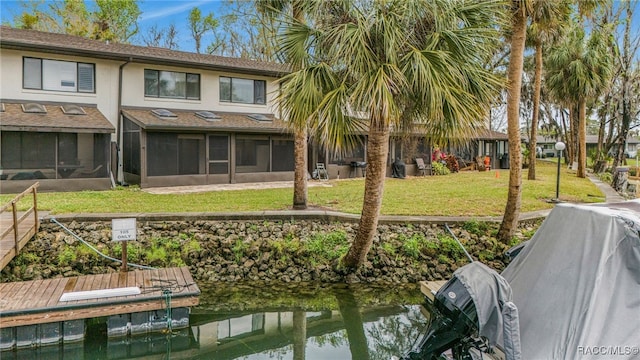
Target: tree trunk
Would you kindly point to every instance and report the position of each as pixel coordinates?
(582, 137)
(377, 151)
(299, 334)
(512, 209)
(537, 84)
(354, 325)
(300, 171)
(300, 153)
(570, 138)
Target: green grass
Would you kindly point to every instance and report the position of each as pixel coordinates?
(462, 194)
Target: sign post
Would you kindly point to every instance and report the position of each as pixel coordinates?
(123, 230)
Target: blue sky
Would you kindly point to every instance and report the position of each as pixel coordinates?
(159, 12)
(164, 12)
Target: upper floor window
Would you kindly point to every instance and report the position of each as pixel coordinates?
(44, 74)
(171, 84)
(243, 90)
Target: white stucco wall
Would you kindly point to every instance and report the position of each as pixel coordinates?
(106, 95)
(133, 93)
(106, 83)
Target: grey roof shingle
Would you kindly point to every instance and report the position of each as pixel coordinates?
(186, 120)
(11, 38)
(14, 119)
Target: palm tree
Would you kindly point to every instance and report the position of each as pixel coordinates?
(547, 19)
(520, 9)
(274, 9)
(578, 70)
(378, 65)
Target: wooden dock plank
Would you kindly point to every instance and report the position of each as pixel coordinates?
(18, 294)
(48, 291)
(79, 283)
(37, 288)
(38, 294)
(189, 279)
(57, 292)
(428, 288)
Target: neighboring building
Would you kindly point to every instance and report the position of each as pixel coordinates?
(85, 114)
(547, 145)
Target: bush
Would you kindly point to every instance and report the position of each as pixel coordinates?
(440, 169)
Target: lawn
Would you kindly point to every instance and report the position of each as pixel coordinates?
(466, 193)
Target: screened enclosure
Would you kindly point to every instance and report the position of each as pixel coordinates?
(51, 155)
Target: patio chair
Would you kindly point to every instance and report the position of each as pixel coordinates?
(423, 168)
(321, 171)
(89, 173)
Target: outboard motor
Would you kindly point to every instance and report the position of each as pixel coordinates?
(469, 315)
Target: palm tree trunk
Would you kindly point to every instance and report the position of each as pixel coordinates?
(512, 209)
(537, 85)
(377, 150)
(582, 137)
(300, 153)
(570, 137)
(354, 325)
(299, 334)
(300, 171)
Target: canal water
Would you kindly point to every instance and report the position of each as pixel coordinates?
(269, 321)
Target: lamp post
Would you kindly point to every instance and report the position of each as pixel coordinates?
(559, 147)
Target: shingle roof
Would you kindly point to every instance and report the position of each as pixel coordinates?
(186, 120)
(14, 119)
(486, 134)
(11, 38)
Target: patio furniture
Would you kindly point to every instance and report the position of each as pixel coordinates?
(355, 165)
(89, 173)
(321, 172)
(423, 168)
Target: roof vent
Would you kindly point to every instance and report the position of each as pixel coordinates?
(207, 115)
(1, 107)
(34, 108)
(259, 117)
(163, 113)
(72, 109)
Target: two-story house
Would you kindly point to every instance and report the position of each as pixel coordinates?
(85, 114)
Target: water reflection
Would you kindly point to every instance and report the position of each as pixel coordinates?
(274, 322)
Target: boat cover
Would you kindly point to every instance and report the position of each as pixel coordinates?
(577, 284)
(489, 292)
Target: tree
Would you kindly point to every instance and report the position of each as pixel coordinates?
(547, 19)
(578, 70)
(200, 25)
(109, 20)
(520, 9)
(165, 37)
(274, 10)
(248, 28)
(116, 20)
(379, 65)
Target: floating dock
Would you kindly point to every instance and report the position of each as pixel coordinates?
(35, 313)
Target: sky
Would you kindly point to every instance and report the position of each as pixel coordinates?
(164, 12)
(159, 12)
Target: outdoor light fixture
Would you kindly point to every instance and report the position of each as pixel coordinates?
(559, 147)
(97, 294)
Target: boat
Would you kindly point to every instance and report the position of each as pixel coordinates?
(571, 292)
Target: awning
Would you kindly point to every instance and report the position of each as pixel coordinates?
(187, 120)
(13, 118)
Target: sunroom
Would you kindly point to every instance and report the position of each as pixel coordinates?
(63, 146)
(184, 147)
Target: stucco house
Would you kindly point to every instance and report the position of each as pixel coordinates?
(80, 114)
(85, 114)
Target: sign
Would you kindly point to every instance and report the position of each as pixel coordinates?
(123, 229)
